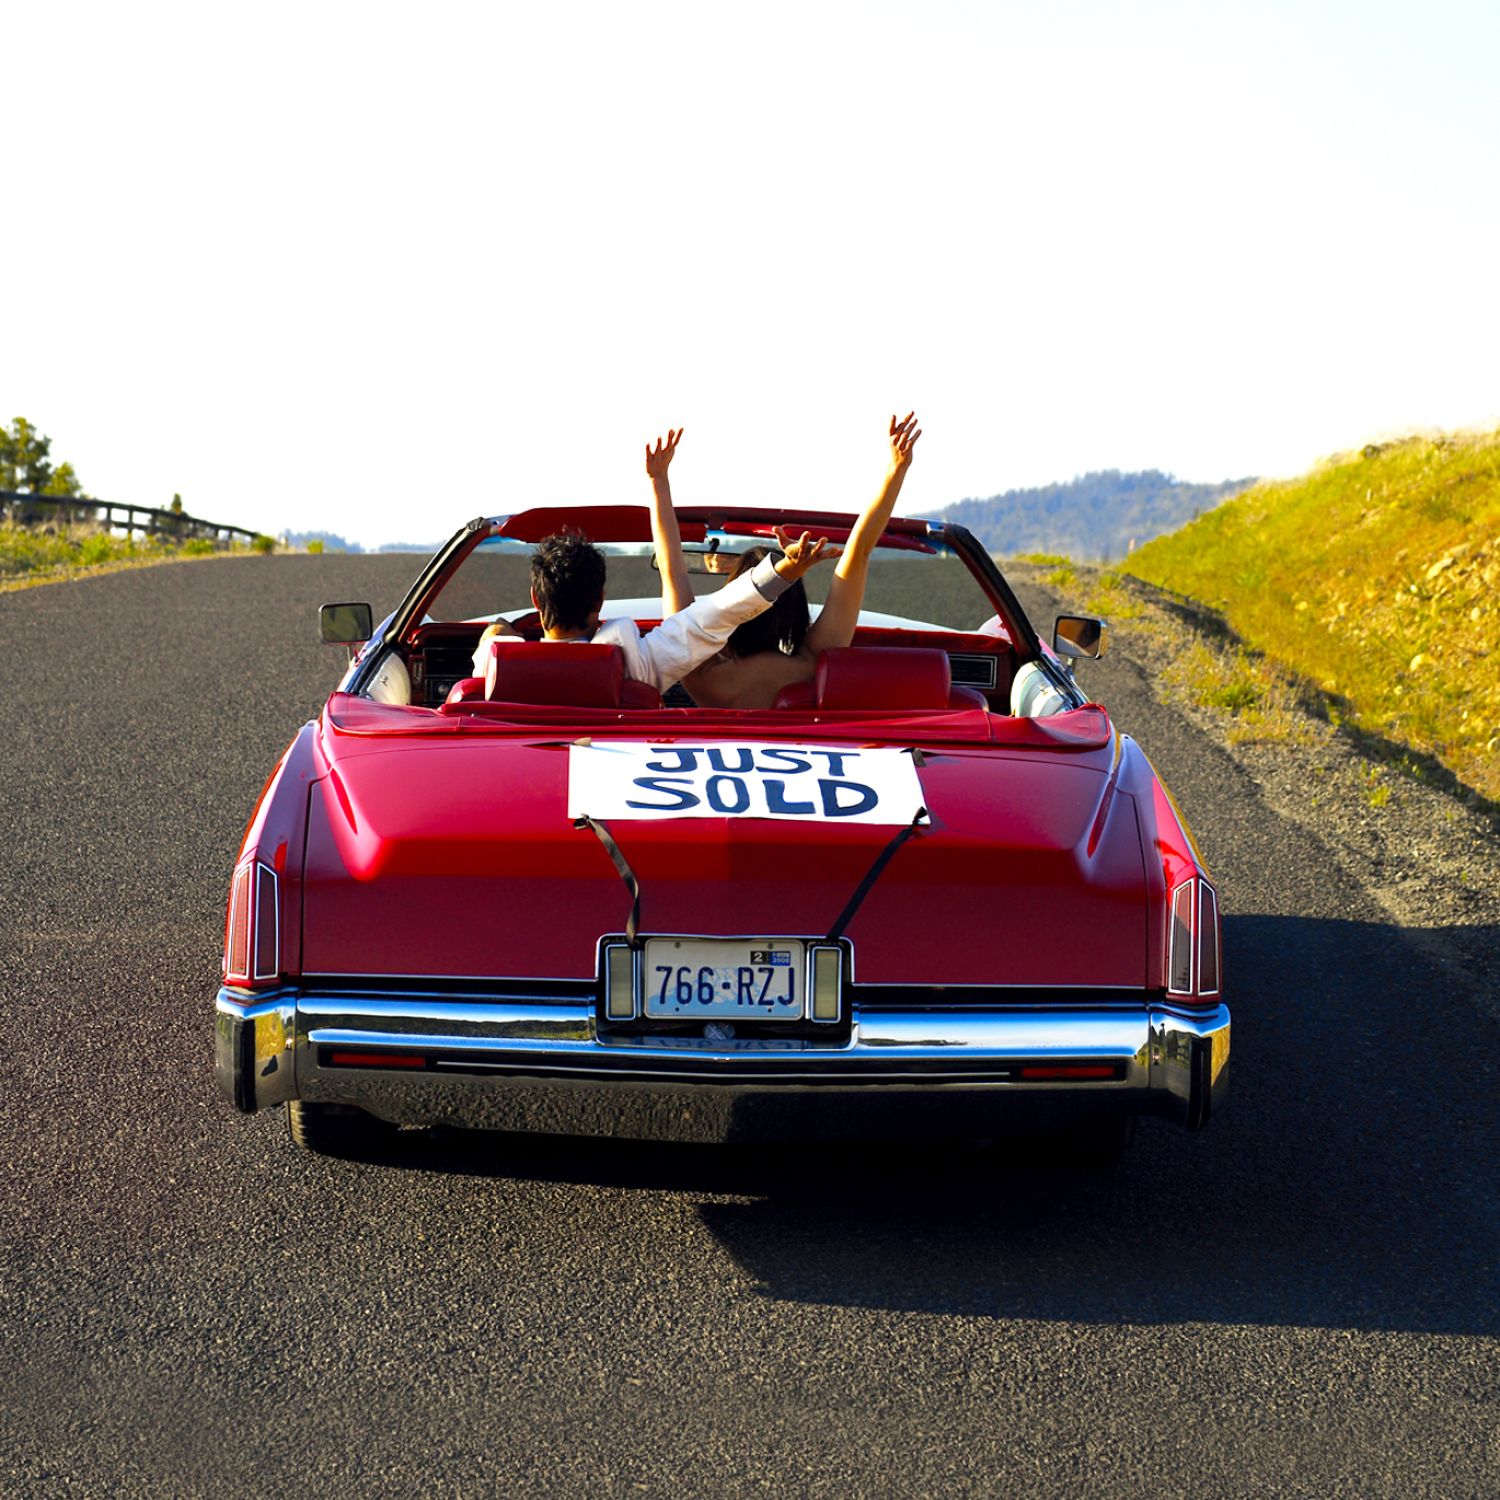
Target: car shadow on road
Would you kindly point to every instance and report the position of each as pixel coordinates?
(1349, 1184)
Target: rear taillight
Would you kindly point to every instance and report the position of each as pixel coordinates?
(1072, 1070)
(252, 941)
(1208, 940)
(1193, 940)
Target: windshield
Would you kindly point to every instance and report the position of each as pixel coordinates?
(915, 588)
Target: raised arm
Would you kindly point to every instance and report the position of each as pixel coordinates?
(676, 590)
(838, 617)
(687, 639)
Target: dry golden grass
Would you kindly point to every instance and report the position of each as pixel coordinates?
(1261, 699)
(1112, 600)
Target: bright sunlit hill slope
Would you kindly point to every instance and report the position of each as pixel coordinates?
(1375, 577)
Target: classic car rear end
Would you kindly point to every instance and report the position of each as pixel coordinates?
(889, 908)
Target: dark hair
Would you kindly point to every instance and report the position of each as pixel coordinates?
(567, 578)
(782, 627)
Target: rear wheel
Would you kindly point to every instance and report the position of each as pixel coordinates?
(336, 1129)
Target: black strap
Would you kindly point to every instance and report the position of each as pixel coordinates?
(626, 874)
(863, 889)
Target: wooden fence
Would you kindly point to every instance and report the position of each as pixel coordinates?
(127, 520)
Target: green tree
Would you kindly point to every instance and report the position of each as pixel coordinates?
(25, 462)
(62, 481)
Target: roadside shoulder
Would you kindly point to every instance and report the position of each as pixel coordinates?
(1428, 857)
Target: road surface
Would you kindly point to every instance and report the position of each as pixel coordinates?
(1301, 1301)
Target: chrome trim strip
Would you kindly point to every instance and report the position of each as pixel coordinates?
(873, 1005)
(840, 988)
(1208, 922)
(452, 1022)
(235, 898)
(605, 950)
(1048, 1037)
(998, 1074)
(255, 907)
(1191, 937)
(1188, 1010)
(571, 1030)
(420, 979)
(1093, 989)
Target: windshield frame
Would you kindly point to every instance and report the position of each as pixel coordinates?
(620, 524)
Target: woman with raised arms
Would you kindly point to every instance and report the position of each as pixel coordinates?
(781, 646)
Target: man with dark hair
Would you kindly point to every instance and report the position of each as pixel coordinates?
(567, 588)
(567, 581)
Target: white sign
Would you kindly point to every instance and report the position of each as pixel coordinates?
(611, 779)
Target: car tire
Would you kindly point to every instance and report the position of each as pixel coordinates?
(335, 1129)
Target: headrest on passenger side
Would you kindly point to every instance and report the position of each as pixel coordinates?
(883, 677)
(576, 673)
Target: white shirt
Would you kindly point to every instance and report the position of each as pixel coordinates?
(687, 639)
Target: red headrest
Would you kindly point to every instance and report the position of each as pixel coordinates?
(577, 673)
(883, 677)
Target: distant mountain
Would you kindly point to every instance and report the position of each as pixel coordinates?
(333, 542)
(1094, 518)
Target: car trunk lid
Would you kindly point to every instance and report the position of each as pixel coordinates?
(460, 859)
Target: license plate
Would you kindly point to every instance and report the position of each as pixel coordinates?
(742, 979)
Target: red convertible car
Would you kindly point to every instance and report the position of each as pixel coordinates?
(932, 891)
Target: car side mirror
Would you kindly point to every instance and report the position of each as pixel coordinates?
(1078, 635)
(345, 624)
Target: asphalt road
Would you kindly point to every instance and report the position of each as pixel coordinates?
(1301, 1301)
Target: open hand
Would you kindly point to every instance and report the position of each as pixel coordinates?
(801, 553)
(660, 456)
(904, 435)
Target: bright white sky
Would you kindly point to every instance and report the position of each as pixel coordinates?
(379, 268)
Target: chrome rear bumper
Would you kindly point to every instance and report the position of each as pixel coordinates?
(543, 1066)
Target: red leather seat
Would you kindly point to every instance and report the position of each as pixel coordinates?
(881, 677)
(578, 674)
(797, 695)
(466, 690)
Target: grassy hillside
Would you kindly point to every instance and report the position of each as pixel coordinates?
(1375, 576)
